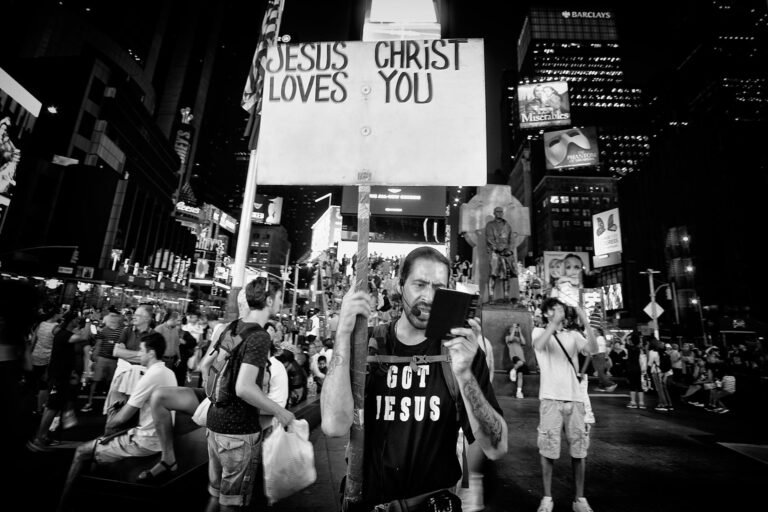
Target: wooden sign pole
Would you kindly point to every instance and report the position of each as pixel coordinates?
(353, 491)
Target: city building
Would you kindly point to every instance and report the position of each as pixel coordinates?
(575, 127)
(113, 147)
(710, 113)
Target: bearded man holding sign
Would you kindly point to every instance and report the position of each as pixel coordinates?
(411, 414)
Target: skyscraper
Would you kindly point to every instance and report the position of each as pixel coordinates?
(577, 53)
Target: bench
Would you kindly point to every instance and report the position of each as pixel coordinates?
(114, 486)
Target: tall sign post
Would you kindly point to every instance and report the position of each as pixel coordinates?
(359, 113)
(654, 314)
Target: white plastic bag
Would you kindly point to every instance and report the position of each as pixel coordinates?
(589, 415)
(201, 413)
(289, 461)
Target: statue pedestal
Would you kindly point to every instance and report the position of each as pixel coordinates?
(496, 320)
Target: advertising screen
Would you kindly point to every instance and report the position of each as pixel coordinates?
(403, 201)
(574, 147)
(563, 273)
(18, 112)
(607, 232)
(544, 104)
(267, 210)
(614, 298)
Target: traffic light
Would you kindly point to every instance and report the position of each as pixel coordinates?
(75, 256)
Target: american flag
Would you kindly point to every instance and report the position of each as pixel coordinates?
(254, 84)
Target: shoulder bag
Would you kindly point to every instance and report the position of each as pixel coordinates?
(589, 415)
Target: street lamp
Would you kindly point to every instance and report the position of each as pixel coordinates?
(697, 302)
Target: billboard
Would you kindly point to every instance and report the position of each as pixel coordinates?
(402, 201)
(18, 112)
(614, 298)
(563, 274)
(544, 104)
(327, 230)
(574, 147)
(267, 210)
(606, 230)
(377, 113)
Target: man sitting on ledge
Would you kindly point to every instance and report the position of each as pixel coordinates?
(140, 441)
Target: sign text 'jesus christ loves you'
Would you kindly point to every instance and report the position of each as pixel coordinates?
(386, 112)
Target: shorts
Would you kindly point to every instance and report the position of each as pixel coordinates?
(125, 447)
(635, 381)
(40, 374)
(234, 464)
(61, 394)
(104, 369)
(523, 370)
(556, 415)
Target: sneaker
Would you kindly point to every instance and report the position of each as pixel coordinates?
(519, 393)
(55, 424)
(42, 445)
(87, 408)
(68, 419)
(660, 408)
(611, 388)
(603, 390)
(545, 506)
(631, 405)
(697, 404)
(582, 506)
(723, 410)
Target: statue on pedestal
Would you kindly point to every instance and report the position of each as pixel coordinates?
(474, 218)
(500, 240)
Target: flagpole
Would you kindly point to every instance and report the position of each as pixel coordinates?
(243, 235)
(249, 195)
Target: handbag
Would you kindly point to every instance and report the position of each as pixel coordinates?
(201, 413)
(729, 383)
(645, 382)
(589, 415)
(289, 461)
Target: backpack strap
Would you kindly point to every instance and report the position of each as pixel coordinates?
(231, 328)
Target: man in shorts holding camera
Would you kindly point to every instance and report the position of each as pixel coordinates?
(562, 399)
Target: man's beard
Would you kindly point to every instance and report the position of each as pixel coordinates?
(419, 322)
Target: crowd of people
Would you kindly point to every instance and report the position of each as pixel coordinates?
(146, 363)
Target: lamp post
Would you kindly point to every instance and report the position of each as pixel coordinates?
(673, 293)
(650, 273)
(697, 302)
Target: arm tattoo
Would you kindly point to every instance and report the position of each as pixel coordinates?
(486, 417)
(336, 361)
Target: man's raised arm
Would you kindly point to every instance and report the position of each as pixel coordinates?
(336, 402)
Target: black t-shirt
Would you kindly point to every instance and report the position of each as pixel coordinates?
(62, 357)
(717, 368)
(412, 426)
(237, 416)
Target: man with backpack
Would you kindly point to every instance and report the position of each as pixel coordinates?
(237, 393)
(416, 397)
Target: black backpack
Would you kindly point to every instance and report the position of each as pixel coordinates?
(228, 349)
